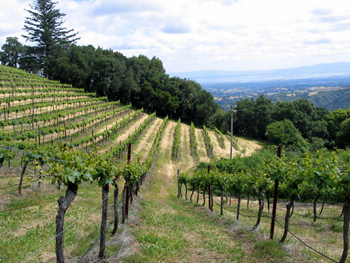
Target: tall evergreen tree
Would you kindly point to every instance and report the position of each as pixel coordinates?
(44, 27)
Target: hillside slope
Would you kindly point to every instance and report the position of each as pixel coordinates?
(38, 113)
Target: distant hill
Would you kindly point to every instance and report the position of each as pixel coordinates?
(315, 71)
(328, 92)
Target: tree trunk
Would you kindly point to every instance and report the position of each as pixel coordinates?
(192, 194)
(286, 219)
(261, 207)
(2, 159)
(178, 184)
(115, 202)
(203, 196)
(239, 204)
(130, 193)
(186, 192)
(197, 194)
(248, 201)
(292, 211)
(124, 204)
(105, 190)
(315, 207)
(323, 201)
(40, 170)
(212, 198)
(21, 179)
(209, 197)
(127, 197)
(222, 201)
(63, 204)
(268, 202)
(346, 209)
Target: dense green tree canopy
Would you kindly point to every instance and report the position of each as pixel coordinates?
(334, 121)
(317, 126)
(137, 80)
(343, 135)
(11, 52)
(284, 133)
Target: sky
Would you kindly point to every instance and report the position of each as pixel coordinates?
(194, 35)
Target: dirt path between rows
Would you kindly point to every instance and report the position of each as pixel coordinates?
(165, 146)
(248, 147)
(145, 143)
(187, 160)
(202, 152)
(125, 134)
(218, 151)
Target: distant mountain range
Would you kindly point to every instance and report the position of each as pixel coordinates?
(316, 71)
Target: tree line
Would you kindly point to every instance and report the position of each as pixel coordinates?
(296, 124)
(137, 80)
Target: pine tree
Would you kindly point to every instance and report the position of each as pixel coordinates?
(44, 27)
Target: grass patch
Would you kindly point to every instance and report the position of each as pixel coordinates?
(269, 249)
(335, 228)
(28, 228)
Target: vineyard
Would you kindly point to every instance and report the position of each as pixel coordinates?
(75, 171)
(52, 137)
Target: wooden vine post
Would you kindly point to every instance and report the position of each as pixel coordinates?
(274, 206)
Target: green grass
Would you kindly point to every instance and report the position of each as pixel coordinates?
(29, 228)
(269, 250)
(171, 231)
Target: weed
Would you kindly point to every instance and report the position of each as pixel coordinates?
(134, 258)
(269, 249)
(335, 228)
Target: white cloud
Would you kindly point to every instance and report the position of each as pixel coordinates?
(12, 16)
(206, 34)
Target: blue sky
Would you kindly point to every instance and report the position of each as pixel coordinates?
(191, 35)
